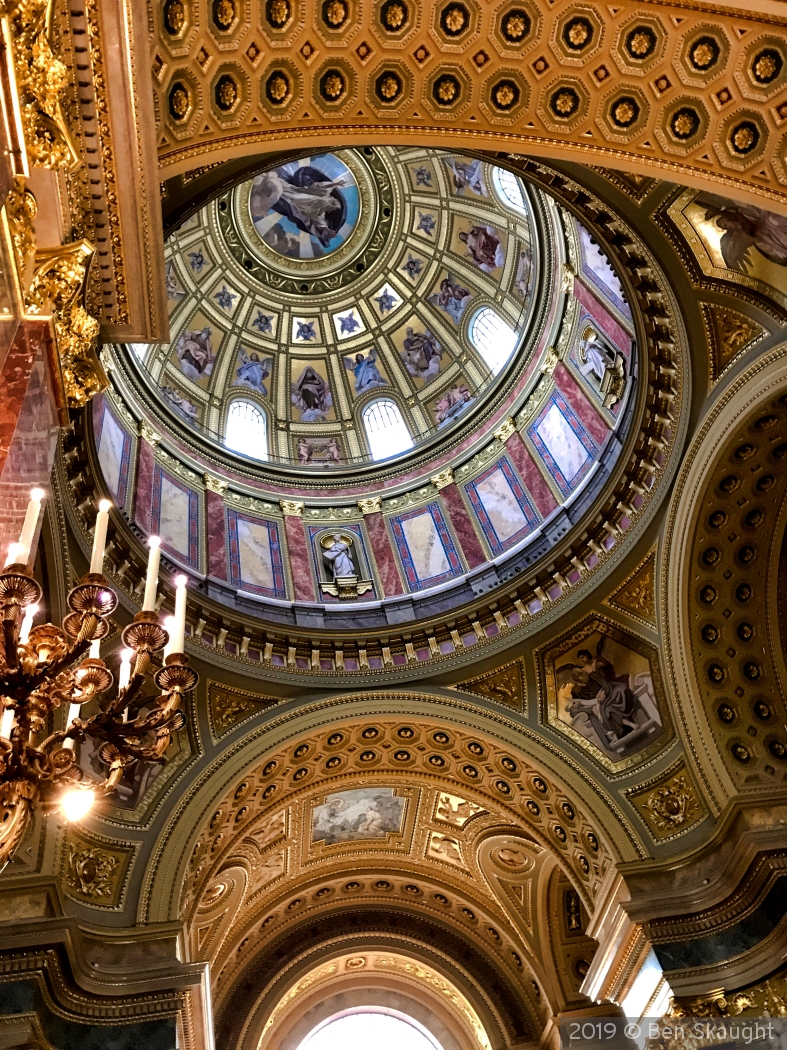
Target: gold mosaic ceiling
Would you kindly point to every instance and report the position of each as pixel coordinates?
(327, 283)
(695, 93)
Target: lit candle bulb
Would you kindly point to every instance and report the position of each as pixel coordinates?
(178, 636)
(29, 526)
(7, 723)
(73, 712)
(13, 554)
(151, 580)
(124, 675)
(169, 622)
(27, 623)
(95, 649)
(100, 537)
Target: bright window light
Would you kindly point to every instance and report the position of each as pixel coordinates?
(364, 1028)
(247, 430)
(509, 190)
(493, 338)
(139, 350)
(386, 431)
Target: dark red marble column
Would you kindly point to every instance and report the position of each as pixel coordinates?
(575, 395)
(534, 480)
(215, 528)
(298, 551)
(384, 557)
(462, 524)
(602, 316)
(143, 497)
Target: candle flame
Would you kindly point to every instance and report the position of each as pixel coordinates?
(154, 541)
(37, 495)
(104, 505)
(181, 581)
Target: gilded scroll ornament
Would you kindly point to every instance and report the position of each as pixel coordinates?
(91, 872)
(215, 484)
(20, 210)
(41, 79)
(505, 430)
(57, 289)
(372, 505)
(291, 508)
(673, 805)
(443, 479)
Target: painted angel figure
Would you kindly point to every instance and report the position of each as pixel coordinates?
(467, 174)
(367, 375)
(194, 351)
(339, 558)
(306, 196)
(253, 371)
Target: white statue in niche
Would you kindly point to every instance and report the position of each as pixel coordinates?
(603, 365)
(337, 553)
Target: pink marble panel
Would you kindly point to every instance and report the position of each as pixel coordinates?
(300, 563)
(534, 480)
(384, 557)
(463, 526)
(576, 397)
(602, 316)
(28, 425)
(216, 535)
(143, 499)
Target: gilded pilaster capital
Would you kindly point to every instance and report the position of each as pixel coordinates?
(505, 430)
(372, 505)
(292, 508)
(215, 484)
(443, 479)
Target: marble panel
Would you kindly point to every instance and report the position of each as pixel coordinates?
(463, 526)
(565, 446)
(597, 268)
(175, 517)
(298, 551)
(114, 454)
(581, 405)
(384, 557)
(602, 317)
(255, 555)
(426, 548)
(504, 510)
(216, 535)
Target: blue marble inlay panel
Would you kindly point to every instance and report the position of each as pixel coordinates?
(565, 446)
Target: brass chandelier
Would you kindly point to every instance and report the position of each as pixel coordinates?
(43, 666)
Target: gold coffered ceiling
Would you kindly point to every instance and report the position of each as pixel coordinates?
(695, 92)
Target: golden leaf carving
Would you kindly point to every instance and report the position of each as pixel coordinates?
(729, 333)
(504, 685)
(637, 594)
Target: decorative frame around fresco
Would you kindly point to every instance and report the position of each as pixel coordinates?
(559, 400)
(192, 560)
(522, 497)
(394, 842)
(125, 456)
(414, 583)
(546, 657)
(279, 589)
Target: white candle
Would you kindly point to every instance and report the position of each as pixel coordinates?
(95, 649)
(29, 526)
(177, 638)
(13, 554)
(27, 623)
(151, 580)
(7, 723)
(100, 537)
(124, 677)
(169, 622)
(73, 712)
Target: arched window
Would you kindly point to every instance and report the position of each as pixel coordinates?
(493, 338)
(509, 190)
(139, 350)
(386, 431)
(247, 430)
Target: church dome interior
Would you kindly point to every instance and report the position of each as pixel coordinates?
(394, 515)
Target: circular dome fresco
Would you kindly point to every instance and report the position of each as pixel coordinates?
(346, 308)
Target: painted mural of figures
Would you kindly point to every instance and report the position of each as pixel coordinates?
(367, 375)
(360, 813)
(746, 226)
(311, 450)
(306, 196)
(422, 354)
(524, 268)
(253, 371)
(179, 402)
(194, 352)
(451, 403)
(452, 297)
(311, 396)
(467, 174)
(616, 712)
(483, 247)
(174, 292)
(338, 555)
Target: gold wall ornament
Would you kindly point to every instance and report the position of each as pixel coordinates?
(58, 288)
(504, 685)
(443, 479)
(41, 79)
(91, 872)
(216, 485)
(147, 433)
(20, 210)
(505, 430)
(291, 508)
(372, 505)
(637, 594)
(668, 803)
(729, 334)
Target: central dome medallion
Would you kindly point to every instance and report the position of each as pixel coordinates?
(342, 309)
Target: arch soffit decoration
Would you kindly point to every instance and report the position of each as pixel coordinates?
(646, 92)
(689, 658)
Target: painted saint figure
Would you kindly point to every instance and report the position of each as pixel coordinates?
(467, 174)
(452, 297)
(422, 354)
(451, 403)
(307, 197)
(339, 558)
(310, 394)
(253, 371)
(194, 352)
(367, 375)
(483, 247)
